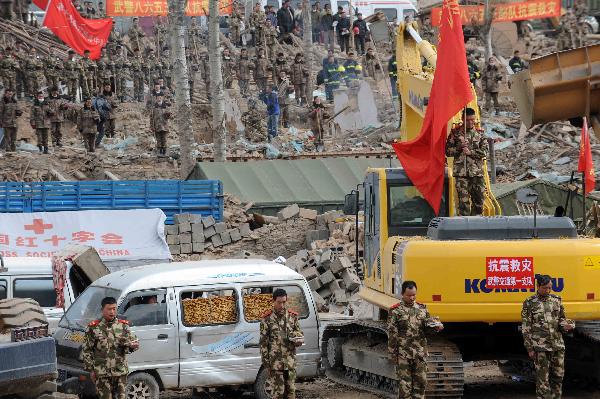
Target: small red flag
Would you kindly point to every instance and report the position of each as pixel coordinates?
(586, 162)
(77, 32)
(424, 158)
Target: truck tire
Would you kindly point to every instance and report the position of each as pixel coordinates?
(141, 386)
(20, 312)
(260, 385)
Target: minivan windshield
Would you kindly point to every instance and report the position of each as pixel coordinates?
(87, 307)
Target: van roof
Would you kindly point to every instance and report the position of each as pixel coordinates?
(197, 272)
(26, 265)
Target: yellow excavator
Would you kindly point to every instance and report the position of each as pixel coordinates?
(473, 272)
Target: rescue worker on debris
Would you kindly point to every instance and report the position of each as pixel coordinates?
(234, 24)
(136, 35)
(72, 72)
(469, 147)
(491, 85)
(352, 71)
(271, 100)
(244, 68)
(333, 76)
(228, 68)
(280, 335)
(107, 342)
(41, 112)
(9, 112)
(105, 104)
(474, 72)
(283, 91)
(393, 74)
(516, 63)
(59, 105)
(543, 323)
(261, 69)
(89, 73)
(159, 123)
(53, 68)
(343, 31)
(34, 72)
(87, 121)
(299, 73)
(9, 66)
(318, 115)
(279, 65)
(137, 69)
(361, 32)
(408, 323)
(371, 64)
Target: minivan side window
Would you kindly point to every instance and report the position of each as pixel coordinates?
(145, 308)
(259, 300)
(39, 289)
(209, 307)
(3, 289)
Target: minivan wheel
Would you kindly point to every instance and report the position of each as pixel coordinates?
(142, 386)
(260, 385)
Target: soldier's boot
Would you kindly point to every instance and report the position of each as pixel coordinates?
(40, 147)
(45, 150)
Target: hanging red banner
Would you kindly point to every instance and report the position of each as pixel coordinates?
(77, 32)
(474, 15)
(143, 8)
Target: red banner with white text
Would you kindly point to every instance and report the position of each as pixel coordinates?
(142, 8)
(474, 15)
(77, 32)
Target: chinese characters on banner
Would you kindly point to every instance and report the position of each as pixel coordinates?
(474, 15)
(140, 8)
(131, 234)
(509, 273)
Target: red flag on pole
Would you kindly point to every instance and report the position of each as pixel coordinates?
(42, 4)
(586, 162)
(77, 32)
(424, 158)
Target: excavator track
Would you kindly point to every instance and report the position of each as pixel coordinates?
(358, 358)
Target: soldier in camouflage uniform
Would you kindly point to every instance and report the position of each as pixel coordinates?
(228, 67)
(159, 123)
(136, 35)
(9, 66)
(234, 24)
(167, 67)
(254, 126)
(261, 69)
(280, 335)
(256, 23)
(40, 120)
(469, 147)
(34, 72)
(137, 70)
(53, 68)
(9, 112)
(153, 67)
(88, 74)
(244, 69)
(58, 105)
(407, 325)
(543, 323)
(106, 68)
(105, 347)
(87, 124)
(73, 70)
(123, 67)
(491, 85)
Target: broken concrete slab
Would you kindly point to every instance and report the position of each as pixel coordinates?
(309, 214)
(208, 221)
(288, 212)
(327, 277)
(309, 273)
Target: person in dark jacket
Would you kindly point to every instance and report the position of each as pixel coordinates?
(516, 63)
(270, 98)
(327, 27)
(360, 34)
(343, 31)
(285, 18)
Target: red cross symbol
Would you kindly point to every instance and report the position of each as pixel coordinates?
(38, 226)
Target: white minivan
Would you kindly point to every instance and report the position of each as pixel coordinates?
(197, 322)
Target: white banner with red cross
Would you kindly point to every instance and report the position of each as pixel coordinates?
(123, 235)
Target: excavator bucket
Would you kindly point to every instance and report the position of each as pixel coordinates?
(559, 86)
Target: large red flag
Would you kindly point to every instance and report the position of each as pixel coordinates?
(424, 158)
(586, 162)
(77, 32)
(42, 4)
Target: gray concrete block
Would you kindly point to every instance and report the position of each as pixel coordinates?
(327, 277)
(314, 284)
(197, 228)
(216, 240)
(310, 273)
(326, 259)
(181, 218)
(309, 214)
(171, 229)
(319, 301)
(235, 235)
(225, 238)
(185, 227)
(295, 263)
(175, 249)
(271, 219)
(198, 237)
(322, 221)
(340, 264)
(195, 218)
(209, 232)
(208, 221)
(351, 280)
(340, 297)
(173, 240)
(303, 254)
(185, 238)
(288, 212)
(315, 235)
(198, 247)
(245, 230)
(334, 285)
(220, 227)
(186, 248)
(325, 292)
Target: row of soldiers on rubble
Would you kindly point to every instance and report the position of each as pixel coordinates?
(94, 120)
